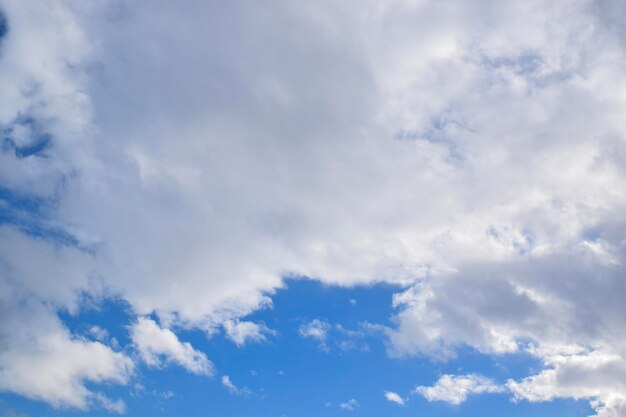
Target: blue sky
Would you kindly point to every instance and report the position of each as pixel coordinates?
(292, 375)
(359, 207)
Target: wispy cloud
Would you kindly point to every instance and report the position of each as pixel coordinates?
(349, 405)
(232, 388)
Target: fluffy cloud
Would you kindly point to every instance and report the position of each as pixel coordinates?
(576, 310)
(99, 333)
(54, 367)
(394, 398)
(40, 358)
(571, 372)
(472, 151)
(315, 329)
(454, 389)
(598, 375)
(157, 345)
(242, 332)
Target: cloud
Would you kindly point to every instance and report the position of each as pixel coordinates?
(434, 319)
(242, 332)
(597, 375)
(454, 389)
(349, 405)
(114, 406)
(470, 148)
(232, 388)
(394, 398)
(571, 372)
(318, 330)
(99, 333)
(44, 362)
(228, 384)
(157, 345)
(40, 358)
(315, 329)
(321, 330)
(343, 338)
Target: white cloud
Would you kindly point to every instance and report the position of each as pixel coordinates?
(157, 345)
(477, 146)
(242, 332)
(318, 330)
(597, 375)
(327, 334)
(228, 384)
(166, 395)
(99, 333)
(315, 329)
(43, 361)
(571, 372)
(454, 389)
(114, 406)
(232, 388)
(394, 398)
(39, 357)
(349, 405)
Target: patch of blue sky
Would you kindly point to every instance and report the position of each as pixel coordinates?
(289, 375)
(530, 66)
(15, 201)
(112, 315)
(30, 214)
(25, 137)
(4, 25)
(37, 147)
(442, 130)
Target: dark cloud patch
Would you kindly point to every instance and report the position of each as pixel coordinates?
(28, 214)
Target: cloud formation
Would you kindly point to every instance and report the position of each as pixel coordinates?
(157, 346)
(232, 388)
(242, 332)
(394, 398)
(315, 329)
(39, 357)
(349, 405)
(471, 151)
(454, 389)
(597, 374)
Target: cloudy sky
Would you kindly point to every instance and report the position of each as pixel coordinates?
(279, 208)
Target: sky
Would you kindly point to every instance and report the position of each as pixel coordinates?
(373, 207)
